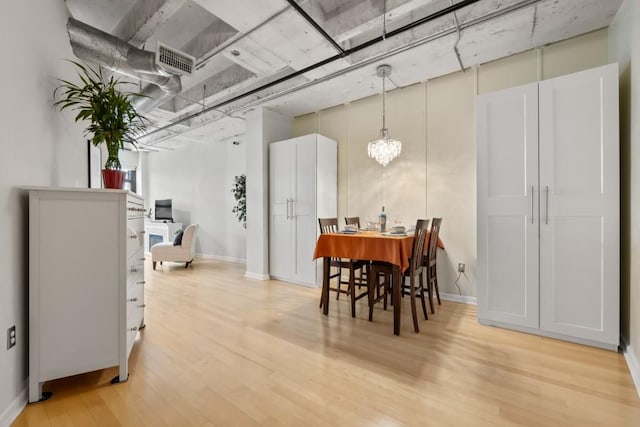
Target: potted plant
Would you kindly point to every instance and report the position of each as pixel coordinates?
(112, 119)
(239, 191)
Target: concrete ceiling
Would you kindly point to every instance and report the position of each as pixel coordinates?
(242, 46)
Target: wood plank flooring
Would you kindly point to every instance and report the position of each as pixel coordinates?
(223, 350)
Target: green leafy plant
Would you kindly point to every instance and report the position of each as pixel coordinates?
(239, 191)
(113, 120)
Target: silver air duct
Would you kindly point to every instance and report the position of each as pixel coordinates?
(93, 45)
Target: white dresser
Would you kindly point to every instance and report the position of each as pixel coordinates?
(86, 281)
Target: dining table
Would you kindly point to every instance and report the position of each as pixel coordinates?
(370, 245)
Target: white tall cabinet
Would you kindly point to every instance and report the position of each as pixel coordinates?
(548, 207)
(86, 280)
(303, 184)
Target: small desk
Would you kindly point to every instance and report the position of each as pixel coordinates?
(367, 245)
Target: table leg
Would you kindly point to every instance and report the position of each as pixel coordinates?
(397, 303)
(326, 264)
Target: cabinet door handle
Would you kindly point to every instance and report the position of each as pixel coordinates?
(141, 282)
(133, 236)
(133, 299)
(135, 328)
(134, 269)
(288, 207)
(141, 231)
(142, 305)
(532, 204)
(293, 208)
(141, 259)
(546, 207)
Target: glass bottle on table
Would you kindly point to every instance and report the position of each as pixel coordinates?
(382, 219)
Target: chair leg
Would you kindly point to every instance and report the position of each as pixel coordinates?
(424, 305)
(372, 284)
(352, 290)
(412, 291)
(435, 281)
(154, 265)
(384, 294)
(339, 283)
(186, 264)
(430, 290)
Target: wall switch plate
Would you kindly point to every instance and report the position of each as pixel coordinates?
(460, 267)
(11, 337)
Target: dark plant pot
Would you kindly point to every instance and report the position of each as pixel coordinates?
(113, 179)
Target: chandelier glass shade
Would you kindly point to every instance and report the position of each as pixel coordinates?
(384, 149)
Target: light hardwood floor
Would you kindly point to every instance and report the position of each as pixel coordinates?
(223, 350)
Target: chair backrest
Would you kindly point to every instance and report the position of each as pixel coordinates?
(352, 220)
(189, 238)
(419, 237)
(432, 248)
(328, 225)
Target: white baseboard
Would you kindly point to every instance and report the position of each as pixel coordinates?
(222, 258)
(256, 276)
(459, 298)
(14, 409)
(634, 366)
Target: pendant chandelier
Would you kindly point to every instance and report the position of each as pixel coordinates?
(384, 149)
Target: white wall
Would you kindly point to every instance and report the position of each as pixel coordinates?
(435, 176)
(198, 177)
(40, 146)
(624, 48)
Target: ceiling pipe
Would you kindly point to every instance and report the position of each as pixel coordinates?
(311, 67)
(93, 45)
(455, 46)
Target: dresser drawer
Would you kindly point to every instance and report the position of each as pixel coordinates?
(135, 207)
(135, 235)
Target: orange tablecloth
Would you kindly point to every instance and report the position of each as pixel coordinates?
(369, 245)
(366, 245)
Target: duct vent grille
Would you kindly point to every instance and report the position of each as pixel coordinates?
(175, 61)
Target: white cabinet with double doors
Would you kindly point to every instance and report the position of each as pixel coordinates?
(548, 207)
(302, 188)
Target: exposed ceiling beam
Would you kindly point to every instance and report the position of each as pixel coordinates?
(145, 18)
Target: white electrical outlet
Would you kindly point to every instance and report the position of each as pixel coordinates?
(460, 267)
(11, 337)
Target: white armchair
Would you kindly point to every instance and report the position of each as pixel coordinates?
(166, 251)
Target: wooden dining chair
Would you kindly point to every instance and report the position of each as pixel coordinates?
(330, 225)
(413, 272)
(361, 278)
(429, 261)
(352, 220)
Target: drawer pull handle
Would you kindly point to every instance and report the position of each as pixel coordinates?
(135, 328)
(134, 269)
(134, 299)
(133, 236)
(142, 259)
(141, 282)
(141, 231)
(142, 305)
